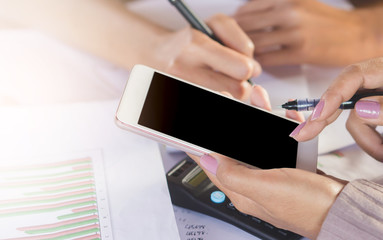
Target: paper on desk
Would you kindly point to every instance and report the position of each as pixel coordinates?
(196, 226)
(350, 163)
(138, 196)
(54, 196)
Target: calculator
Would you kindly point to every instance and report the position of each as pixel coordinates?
(190, 188)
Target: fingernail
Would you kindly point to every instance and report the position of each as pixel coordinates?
(209, 163)
(317, 110)
(297, 130)
(368, 109)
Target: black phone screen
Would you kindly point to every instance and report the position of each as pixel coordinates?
(219, 124)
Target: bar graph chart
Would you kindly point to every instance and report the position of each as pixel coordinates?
(54, 197)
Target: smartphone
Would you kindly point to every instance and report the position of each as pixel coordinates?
(199, 121)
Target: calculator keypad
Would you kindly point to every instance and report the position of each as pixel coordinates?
(190, 189)
(229, 205)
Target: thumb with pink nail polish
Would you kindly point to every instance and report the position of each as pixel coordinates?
(209, 163)
(369, 109)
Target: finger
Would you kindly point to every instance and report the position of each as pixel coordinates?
(260, 98)
(210, 170)
(253, 7)
(230, 174)
(227, 94)
(222, 83)
(369, 109)
(212, 79)
(225, 28)
(286, 37)
(223, 59)
(310, 129)
(364, 133)
(259, 21)
(365, 75)
(284, 56)
(277, 17)
(297, 116)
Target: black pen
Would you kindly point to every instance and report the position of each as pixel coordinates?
(309, 104)
(195, 22)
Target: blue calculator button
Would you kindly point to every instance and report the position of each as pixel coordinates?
(217, 197)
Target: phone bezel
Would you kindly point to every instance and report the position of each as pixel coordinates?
(132, 102)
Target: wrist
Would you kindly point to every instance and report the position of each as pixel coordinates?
(151, 49)
(330, 192)
(134, 40)
(166, 48)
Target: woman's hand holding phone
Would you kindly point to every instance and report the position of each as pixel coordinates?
(193, 56)
(288, 198)
(180, 114)
(293, 199)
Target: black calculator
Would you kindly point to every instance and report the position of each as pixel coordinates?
(190, 188)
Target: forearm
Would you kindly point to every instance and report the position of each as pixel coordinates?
(101, 27)
(107, 29)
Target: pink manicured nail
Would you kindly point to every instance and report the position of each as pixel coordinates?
(209, 163)
(368, 109)
(297, 129)
(317, 110)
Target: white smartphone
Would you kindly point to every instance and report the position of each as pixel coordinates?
(200, 121)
